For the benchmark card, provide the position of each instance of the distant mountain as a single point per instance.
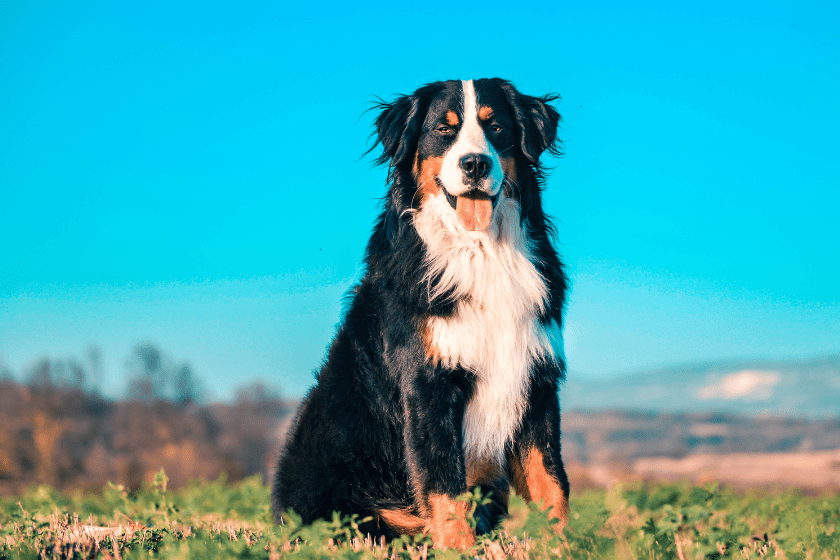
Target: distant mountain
(807, 388)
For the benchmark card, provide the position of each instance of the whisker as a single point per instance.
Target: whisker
(514, 184)
(414, 195)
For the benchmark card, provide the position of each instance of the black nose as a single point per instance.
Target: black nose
(475, 166)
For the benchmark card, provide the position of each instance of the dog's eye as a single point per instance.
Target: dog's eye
(495, 128)
(444, 129)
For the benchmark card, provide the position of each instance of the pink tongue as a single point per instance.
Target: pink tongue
(474, 211)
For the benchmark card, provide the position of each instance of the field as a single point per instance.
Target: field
(59, 446)
(220, 519)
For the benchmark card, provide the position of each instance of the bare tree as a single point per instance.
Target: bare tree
(97, 369)
(155, 376)
(63, 374)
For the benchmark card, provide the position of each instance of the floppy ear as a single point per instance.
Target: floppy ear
(397, 129)
(536, 121)
(399, 124)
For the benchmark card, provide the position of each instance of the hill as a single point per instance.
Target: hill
(804, 388)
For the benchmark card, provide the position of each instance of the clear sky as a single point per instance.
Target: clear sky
(190, 174)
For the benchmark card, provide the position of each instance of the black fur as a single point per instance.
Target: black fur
(382, 427)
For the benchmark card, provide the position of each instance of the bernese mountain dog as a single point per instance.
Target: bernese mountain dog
(444, 372)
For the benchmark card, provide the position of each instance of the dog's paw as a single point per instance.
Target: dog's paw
(448, 525)
(453, 534)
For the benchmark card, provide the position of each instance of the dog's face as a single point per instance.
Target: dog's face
(464, 151)
(465, 142)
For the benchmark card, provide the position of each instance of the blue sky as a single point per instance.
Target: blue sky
(190, 174)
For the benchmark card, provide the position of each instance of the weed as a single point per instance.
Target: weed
(218, 519)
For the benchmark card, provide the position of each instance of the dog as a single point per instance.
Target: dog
(445, 370)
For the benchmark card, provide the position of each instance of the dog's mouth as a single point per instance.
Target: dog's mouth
(474, 208)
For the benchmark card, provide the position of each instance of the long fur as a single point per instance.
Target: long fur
(494, 331)
(444, 373)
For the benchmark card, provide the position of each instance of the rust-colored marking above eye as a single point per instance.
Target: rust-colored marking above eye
(485, 113)
(451, 118)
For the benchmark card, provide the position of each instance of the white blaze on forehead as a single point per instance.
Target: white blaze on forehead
(472, 135)
(470, 140)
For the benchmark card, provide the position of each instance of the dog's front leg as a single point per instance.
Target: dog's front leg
(434, 400)
(535, 465)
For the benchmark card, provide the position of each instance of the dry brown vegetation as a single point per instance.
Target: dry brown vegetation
(67, 438)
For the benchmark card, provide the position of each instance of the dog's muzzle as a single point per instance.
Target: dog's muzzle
(474, 208)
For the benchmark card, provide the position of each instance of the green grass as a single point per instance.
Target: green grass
(232, 520)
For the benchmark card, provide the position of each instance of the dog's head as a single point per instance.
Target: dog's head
(470, 143)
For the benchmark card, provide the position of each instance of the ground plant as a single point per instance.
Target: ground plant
(219, 519)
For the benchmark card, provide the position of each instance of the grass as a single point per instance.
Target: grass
(223, 520)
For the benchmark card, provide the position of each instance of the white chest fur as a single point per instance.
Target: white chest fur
(494, 331)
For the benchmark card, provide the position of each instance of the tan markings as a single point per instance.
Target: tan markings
(509, 169)
(401, 521)
(517, 477)
(531, 481)
(484, 113)
(448, 525)
(432, 351)
(427, 185)
(451, 118)
(482, 472)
